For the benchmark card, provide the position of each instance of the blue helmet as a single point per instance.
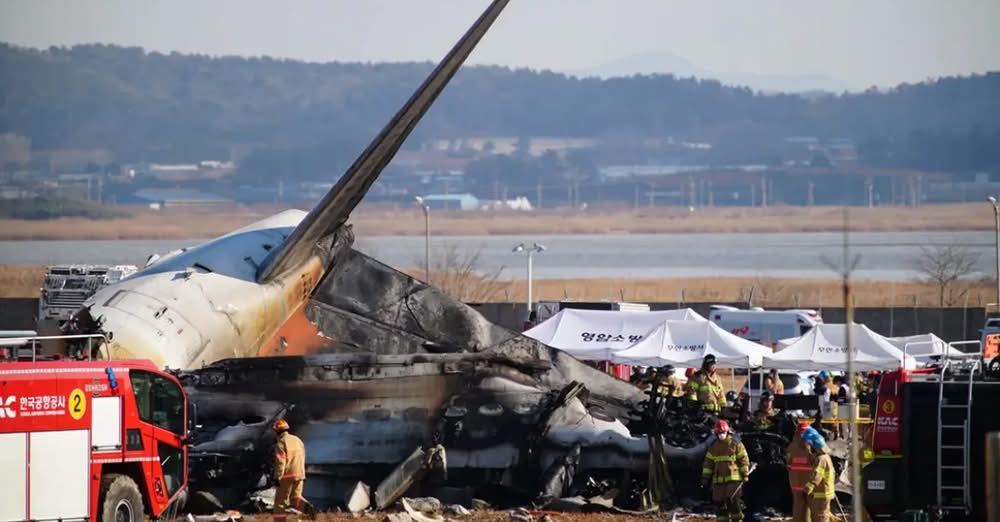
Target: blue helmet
(813, 438)
(824, 374)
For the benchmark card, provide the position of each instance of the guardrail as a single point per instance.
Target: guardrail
(33, 340)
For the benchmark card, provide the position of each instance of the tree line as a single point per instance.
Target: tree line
(307, 119)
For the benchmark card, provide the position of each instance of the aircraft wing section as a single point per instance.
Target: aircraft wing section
(336, 206)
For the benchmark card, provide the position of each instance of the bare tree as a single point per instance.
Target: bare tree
(945, 267)
(458, 274)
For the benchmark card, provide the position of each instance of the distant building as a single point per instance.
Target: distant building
(452, 201)
(157, 198)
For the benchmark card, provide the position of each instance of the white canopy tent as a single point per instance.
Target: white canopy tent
(824, 348)
(686, 343)
(593, 334)
(924, 347)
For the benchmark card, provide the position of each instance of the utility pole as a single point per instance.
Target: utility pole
(530, 252)
(996, 215)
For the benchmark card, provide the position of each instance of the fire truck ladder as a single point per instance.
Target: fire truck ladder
(954, 420)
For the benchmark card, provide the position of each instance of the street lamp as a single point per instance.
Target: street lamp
(531, 252)
(996, 214)
(427, 237)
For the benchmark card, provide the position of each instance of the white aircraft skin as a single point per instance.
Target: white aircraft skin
(229, 296)
(196, 306)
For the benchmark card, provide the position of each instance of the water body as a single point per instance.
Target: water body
(883, 255)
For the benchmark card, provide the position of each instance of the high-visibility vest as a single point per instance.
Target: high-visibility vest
(710, 394)
(726, 461)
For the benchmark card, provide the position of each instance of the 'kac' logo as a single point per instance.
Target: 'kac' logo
(7, 408)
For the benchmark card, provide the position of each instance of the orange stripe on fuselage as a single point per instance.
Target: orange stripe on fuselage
(301, 337)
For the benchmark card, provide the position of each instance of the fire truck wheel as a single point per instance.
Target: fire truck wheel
(121, 500)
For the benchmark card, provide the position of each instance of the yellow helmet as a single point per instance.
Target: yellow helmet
(280, 425)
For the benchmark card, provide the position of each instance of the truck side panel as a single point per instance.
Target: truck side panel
(14, 462)
(59, 478)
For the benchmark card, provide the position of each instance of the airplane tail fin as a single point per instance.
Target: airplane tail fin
(337, 205)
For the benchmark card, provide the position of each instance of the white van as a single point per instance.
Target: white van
(766, 327)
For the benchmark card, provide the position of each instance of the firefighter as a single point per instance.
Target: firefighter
(799, 469)
(670, 385)
(819, 486)
(436, 463)
(726, 468)
(773, 383)
(289, 472)
(710, 393)
(765, 411)
(691, 388)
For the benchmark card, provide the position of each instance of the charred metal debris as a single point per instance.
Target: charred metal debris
(458, 427)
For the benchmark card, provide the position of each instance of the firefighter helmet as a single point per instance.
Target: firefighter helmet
(803, 426)
(280, 425)
(721, 427)
(813, 438)
(767, 396)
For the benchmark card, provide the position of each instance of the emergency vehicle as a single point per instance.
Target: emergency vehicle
(929, 441)
(91, 440)
(765, 327)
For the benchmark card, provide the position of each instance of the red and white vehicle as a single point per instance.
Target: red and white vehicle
(90, 440)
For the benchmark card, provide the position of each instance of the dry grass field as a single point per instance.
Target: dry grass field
(24, 281)
(187, 223)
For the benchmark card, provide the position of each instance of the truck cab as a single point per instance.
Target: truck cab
(91, 440)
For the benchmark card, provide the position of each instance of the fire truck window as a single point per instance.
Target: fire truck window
(159, 401)
(172, 462)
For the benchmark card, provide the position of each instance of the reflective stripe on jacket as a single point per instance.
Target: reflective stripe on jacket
(289, 457)
(821, 480)
(710, 394)
(762, 418)
(726, 461)
(799, 467)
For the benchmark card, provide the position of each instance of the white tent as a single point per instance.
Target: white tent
(924, 347)
(686, 343)
(824, 348)
(591, 334)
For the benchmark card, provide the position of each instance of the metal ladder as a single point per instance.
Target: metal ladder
(960, 421)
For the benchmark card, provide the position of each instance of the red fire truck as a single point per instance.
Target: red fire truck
(90, 440)
(929, 441)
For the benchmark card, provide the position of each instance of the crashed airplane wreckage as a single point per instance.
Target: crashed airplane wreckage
(284, 318)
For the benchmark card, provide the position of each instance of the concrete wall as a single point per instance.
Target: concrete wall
(951, 324)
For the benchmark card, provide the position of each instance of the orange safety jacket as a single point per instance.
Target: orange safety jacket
(289, 457)
(799, 467)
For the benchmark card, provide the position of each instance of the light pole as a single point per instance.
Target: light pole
(531, 252)
(996, 214)
(427, 237)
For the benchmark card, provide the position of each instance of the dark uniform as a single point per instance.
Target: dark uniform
(726, 466)
(762, 417)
